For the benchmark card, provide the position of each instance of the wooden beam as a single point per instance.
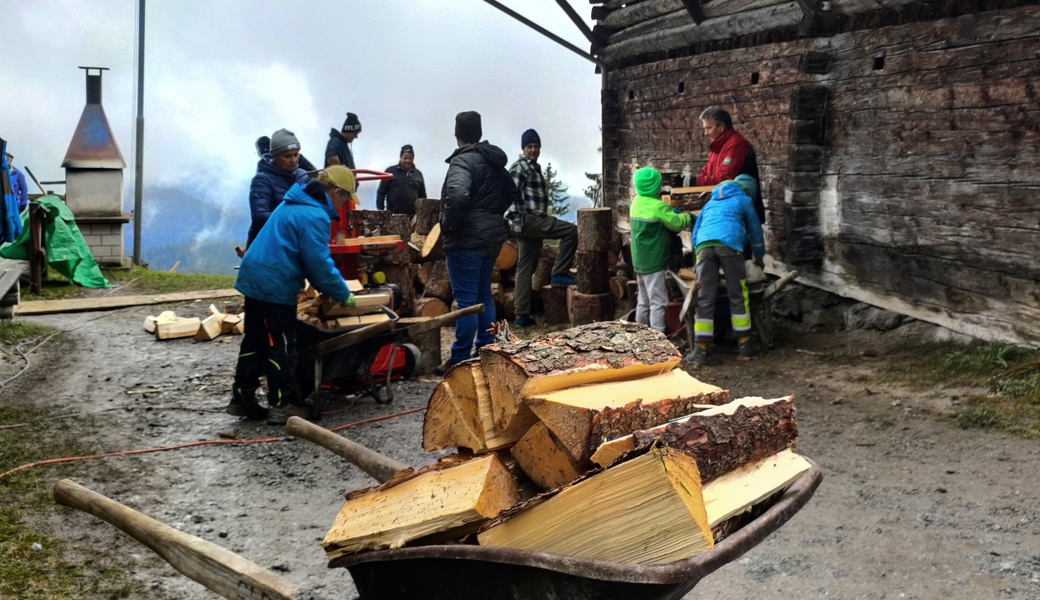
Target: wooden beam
(695, 10)
(49, 307)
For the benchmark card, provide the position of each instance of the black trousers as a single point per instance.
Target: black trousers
(268, 347)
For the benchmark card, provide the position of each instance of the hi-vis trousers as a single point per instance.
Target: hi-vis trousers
(268, 347)
(708, 261)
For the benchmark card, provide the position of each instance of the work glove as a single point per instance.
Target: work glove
(350, 302)
(760, 262)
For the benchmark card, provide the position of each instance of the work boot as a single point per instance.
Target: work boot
(245, 405)
(442, 368)
(278, 415)
(562, 280)
(698, 357)
(524, 321)
(749, 349)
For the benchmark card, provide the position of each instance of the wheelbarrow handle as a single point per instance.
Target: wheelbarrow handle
(780, 284)
(221, 571)
(380, 467)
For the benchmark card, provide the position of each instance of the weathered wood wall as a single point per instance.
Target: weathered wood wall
(917, 188)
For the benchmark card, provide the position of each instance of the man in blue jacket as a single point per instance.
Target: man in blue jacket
(21, 191)
(291, 247)
(277, 171)
(722, 230)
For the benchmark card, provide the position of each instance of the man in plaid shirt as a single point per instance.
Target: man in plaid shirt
(535, 225)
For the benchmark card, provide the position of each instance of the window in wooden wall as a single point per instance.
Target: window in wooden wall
(682, 87)
(754, 78)
(879, 63)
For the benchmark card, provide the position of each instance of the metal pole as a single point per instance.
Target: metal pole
(552, 36)
(139, 137)
(576, 18)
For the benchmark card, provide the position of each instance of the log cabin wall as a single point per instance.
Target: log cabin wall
(900, 164)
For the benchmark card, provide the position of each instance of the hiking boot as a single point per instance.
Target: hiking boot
(749, 349)
(562, 280)
(442, 368)
(524, 321)
(245, 407)
(698, 357)
(278, 415)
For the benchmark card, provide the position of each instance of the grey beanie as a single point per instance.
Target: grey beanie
(282, 141)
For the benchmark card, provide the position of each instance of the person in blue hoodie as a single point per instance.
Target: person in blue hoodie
(276, 172)
(722, 230)
(291, 247)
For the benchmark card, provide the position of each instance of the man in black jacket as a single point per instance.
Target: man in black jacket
(477, 192)
(337, 151)
(398, 195)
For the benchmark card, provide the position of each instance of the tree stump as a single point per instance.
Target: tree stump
(595, 229)
(427, 214)
(554, 302)
(592, 308)
(437, 284)
(593, 275)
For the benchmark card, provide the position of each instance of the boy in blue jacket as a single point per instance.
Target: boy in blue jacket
(719, 237)
(292, 245)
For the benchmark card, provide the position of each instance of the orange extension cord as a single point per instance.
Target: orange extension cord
(52, 461)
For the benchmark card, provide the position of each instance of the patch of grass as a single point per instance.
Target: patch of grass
(54, 571)
(54, 287)
(15, 332)
(147, 281)
(1010, 372)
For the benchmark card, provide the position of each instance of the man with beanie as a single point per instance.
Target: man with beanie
(337, 151)
(530, 216)
(398, 195)
(292, 246)
(21, 191)
(651, 221)
(477, 192)
(276, 172)
(719, 237)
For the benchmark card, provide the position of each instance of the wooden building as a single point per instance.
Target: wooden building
(898, 141)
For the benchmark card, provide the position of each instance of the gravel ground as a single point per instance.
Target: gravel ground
(910, 507)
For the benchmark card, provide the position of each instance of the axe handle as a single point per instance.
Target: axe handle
(380, 467)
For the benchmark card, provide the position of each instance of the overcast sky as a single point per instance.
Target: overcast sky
(220, 73)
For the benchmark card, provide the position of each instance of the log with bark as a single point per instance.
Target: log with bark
(582, 418)
(554, 305)
(433, 245)
(721, 439)
(542, 273)
(595, 229)
(618, 287)
(595, 353)
(430, 307)
(635, 503)
(436, 283)
(544, 460)
(450, 499)
(506, 256)
(592, 308)
(593, 275)
(427, 214)
(400, 225)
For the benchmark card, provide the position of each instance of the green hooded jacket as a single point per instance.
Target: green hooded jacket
(651, 221)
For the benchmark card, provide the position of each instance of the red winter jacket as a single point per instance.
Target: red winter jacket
(725, 158)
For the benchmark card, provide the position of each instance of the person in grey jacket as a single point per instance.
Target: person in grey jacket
(476, 194)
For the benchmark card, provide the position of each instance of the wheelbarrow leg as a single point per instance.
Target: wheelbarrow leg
(317, 383)
(389, 374)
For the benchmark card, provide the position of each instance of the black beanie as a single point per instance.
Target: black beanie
(407, 149)
(467, 126)
(530, 137)
(352, 123)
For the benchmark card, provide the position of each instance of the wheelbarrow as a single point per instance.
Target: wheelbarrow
(441, 572)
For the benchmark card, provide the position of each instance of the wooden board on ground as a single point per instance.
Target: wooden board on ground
(209, 329)
(721, 438)
(47, 307)
(544, 460)
(455, 499)
(649, 510)
(595, 353)
(176, 328)
(585, 417)
(739, 490)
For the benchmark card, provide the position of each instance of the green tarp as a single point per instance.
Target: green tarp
(67, 253)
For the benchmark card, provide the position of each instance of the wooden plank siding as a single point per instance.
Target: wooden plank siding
(927, 195)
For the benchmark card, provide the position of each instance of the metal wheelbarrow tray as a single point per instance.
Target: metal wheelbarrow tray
(468, 572)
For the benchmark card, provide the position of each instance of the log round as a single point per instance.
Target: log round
(401, 226)
(595, 229)
(618, 287)
(433, 247)
(592, 308)
(542, 273)
(427, 214)
(506, 256)
(554, 302)
(430, 307)
(593, 275)
(437, 284)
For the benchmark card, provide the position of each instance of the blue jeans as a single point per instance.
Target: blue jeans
(469, 270)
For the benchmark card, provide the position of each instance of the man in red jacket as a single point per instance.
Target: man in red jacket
(729, 155)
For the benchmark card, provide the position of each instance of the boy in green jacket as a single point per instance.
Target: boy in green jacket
(652, 221)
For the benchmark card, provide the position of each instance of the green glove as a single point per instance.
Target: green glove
(350, 302)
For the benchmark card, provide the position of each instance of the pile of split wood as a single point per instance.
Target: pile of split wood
(588, 443)
(325, 313)
(168, 326)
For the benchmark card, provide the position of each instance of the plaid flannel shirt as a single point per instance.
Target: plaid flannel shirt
(527, 175)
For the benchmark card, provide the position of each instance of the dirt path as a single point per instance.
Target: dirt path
(910, 507)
